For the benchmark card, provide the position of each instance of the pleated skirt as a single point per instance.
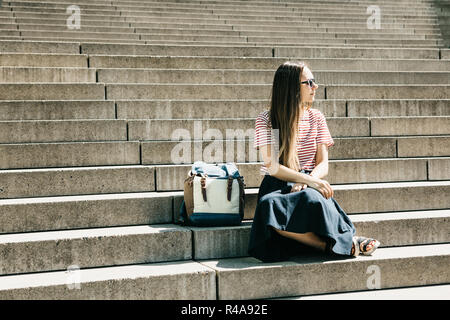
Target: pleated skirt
(300, 212)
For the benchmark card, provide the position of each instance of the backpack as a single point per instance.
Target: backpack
(213, 196)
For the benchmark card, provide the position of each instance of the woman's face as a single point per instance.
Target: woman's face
(307, 93)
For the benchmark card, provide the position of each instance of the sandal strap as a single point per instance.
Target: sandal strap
(365, 242)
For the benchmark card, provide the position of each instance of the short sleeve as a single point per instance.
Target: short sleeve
(262, 130)
(323, 134)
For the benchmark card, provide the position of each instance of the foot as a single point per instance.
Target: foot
(367, 245)
(355, 247)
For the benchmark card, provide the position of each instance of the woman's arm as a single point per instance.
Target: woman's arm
(321, 168)
(280, 171)
(286, 174)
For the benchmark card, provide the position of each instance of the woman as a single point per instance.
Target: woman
(296, 211)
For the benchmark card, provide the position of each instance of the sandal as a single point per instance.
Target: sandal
(355, 247)
(367, 245)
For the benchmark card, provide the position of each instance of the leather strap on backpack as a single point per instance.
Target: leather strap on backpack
(203, 184)
(229, 187)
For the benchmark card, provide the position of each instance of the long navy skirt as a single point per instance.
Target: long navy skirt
(300, 212)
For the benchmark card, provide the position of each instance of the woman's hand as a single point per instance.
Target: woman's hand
(322, 186)
(298, 187)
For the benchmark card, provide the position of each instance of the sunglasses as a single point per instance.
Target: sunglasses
(309, 82)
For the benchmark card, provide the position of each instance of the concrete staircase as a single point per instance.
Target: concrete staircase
(91, 166)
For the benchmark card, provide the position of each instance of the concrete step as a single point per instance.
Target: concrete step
(46, 74)
(87, 40)
(246, 76)
(439, 169)
(210, 39)
(366, 198)
(241, 150)
(196, 38)
(435, 292)
(189, 91)
(353, 198)
(76, 181)
(20, 183)
(62, 22)
(218, 33)
(211, 109)
(205, 109)
(62, 130)
(85, 211)
(314, 34)
(315, 43)
(52, 91)
(9, 33)
(56, 110)
(266, 51)
(431, 146)
(60, 4)
(62, 10)
(390, 92)
(391, 229)
(150, 129)
(311, 12)
(409, 126)
(269, 5)
(181, 280)
(123, 49)
(259, 10)
(106, 210)
(258, 91)
(292, 18)
(63, 27)
(218, 25)
(389, 35)
(10, 38)
(80, 35)
(361, 24)
(336, 39)
(363, 171)
(384, 53)
(237, 4)
(326, 64)
(445, 54)
(82, 247)
(335, 28)
(57, 250)
(190, 129)
(7, 20)
(43, 60)
(68, 154)
(217, 109)
(403, 107)
(255, 44)
(8, 26)
(237, 278)
(64, 15)
(39, 47)
(72, 154)
(382, 42)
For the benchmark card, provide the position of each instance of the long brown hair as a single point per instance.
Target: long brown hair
(285, 110)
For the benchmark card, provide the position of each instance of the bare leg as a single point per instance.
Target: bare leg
(308, 238)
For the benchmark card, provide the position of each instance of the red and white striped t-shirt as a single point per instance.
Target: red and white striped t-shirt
(313, 130)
